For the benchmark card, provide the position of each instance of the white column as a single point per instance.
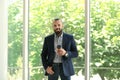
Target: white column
(87, 40)
(25, 40)
(3, 39)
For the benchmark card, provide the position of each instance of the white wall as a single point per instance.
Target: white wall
(3, 39)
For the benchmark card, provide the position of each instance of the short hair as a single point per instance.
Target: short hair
(56, 19)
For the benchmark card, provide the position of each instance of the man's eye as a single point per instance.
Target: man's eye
(54, 25)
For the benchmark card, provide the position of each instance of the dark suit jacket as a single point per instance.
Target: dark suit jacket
(48, 53)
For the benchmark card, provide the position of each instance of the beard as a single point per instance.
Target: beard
(58, 32)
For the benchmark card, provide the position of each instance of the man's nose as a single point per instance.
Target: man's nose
(57, 26)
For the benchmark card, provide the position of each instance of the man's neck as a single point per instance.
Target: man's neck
(58, 35)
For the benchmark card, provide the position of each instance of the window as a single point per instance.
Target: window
(104, 33)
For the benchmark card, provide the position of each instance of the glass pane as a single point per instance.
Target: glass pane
(42, 12)
(105, 33)
(15, 34)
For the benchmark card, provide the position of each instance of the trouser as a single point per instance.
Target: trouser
(58, 71)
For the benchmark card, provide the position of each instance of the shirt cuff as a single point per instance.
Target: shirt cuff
(66, 54)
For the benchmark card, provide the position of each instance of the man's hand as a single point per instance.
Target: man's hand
(49, 70)
(61, 52)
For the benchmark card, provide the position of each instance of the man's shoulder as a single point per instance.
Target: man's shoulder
(49, 36)
(68, 35)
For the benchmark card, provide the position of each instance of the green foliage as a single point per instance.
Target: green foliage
(105, 37)
(15, 25)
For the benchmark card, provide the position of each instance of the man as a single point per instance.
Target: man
(58, 50)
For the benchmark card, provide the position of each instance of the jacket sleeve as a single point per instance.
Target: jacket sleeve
(44, 54)
(72, 50)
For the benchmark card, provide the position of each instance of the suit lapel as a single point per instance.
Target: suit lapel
(63, 41)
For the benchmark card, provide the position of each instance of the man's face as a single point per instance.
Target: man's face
(57, 26)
